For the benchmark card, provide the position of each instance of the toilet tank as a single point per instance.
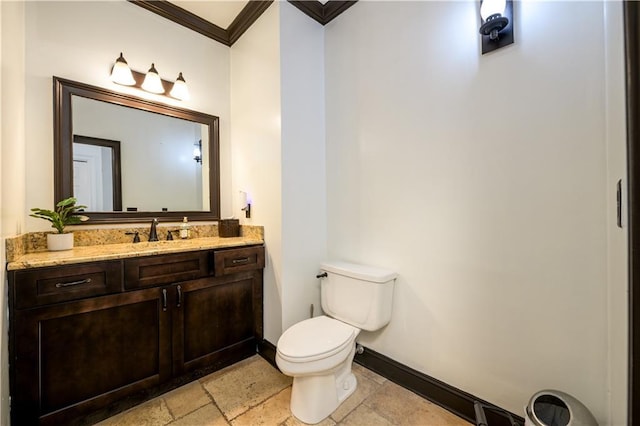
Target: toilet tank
(357, 294)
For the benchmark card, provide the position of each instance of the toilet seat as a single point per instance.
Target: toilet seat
(315, 338)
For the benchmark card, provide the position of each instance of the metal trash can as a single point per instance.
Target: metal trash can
(555, 408)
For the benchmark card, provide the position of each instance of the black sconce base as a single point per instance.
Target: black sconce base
(491, 42)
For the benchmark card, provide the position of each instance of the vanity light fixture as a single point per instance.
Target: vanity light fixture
(497, 24)
(197, 151)
(150, 82)
(121, 73)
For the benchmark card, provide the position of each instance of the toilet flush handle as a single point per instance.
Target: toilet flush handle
(322, 275)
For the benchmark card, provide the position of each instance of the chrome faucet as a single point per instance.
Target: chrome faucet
(153, 233)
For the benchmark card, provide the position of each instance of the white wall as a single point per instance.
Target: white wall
(12, 163)
(304, 214)
(277, 113)
(483, 181)
(256, 148)
(81, 40)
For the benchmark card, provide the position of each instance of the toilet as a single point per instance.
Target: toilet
(318, 352)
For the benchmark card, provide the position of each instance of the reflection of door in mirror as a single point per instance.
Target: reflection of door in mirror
(96, 173)
(158, 168)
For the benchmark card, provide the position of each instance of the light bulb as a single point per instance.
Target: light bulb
(492, 7)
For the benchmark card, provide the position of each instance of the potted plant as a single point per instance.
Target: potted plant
(65, 213)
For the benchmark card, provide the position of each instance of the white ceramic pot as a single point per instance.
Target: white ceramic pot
(57, 242)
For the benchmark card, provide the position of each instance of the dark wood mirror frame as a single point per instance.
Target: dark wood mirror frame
(63, 143)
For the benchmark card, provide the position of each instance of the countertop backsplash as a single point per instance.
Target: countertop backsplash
(34, 242)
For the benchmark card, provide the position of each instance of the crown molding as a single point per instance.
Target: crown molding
(247, 16)
(322, 13)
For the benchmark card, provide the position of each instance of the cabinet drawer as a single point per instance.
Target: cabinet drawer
(238, 260)
(63, 283)
(165, 269)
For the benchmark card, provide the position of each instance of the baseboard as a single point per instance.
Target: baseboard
(267, 350)
(455, 400)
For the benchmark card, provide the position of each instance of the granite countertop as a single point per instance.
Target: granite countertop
(93, 253)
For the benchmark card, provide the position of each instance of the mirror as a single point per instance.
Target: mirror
(130, 160)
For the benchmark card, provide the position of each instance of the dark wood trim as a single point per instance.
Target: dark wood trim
(184, 18)
(267, 350)
(63, 161)
(313, 9)
(322, 13)
(632, 46)
(116, 169)
(247, 16)
(455, 400)
(452, 399)
(332, 9)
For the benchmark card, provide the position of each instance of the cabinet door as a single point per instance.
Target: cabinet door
(75, 357)
(215, 324)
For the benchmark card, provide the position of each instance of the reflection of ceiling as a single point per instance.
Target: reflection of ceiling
(226, 20)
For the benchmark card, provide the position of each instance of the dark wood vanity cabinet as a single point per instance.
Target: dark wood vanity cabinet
(85, 337)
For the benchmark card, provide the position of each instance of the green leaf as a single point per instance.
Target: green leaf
(66, 213)
(66, 202)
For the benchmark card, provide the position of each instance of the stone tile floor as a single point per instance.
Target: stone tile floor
(252, 392)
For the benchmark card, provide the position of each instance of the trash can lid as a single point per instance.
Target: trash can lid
(549, 410)
(555, 408)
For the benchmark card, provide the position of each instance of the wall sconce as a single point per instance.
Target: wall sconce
(197, 151)
(497, 24)
(246, 204)
(150, 82)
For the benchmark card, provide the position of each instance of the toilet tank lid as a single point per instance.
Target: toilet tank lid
(359, 272)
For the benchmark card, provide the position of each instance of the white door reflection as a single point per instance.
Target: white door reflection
(96, 173)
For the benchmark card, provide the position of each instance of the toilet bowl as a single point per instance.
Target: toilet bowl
(318, 354)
